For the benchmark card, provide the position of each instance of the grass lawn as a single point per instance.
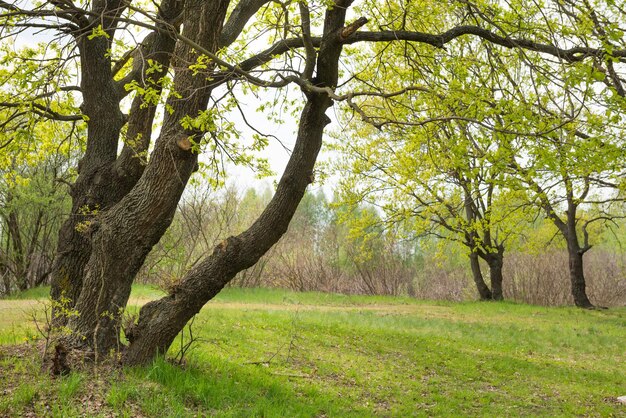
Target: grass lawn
(275, 353)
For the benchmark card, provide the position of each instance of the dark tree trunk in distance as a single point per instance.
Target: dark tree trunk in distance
(567, 226)
(495, 262)
(575, 254)
(577, 277)
(483, 290)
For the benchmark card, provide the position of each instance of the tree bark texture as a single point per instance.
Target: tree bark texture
(124, 235)
(161, 320)
(105, 178)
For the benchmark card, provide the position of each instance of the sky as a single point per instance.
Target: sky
(278, 150)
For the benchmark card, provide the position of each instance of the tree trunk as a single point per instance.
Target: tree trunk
(577, 278)
(105, 120)
(575, 254)
(495, 261)
(102, 182)
(19, 268)
(124, 235)
(6, 278)
(483, 290)
(161, 320)
(72, 253)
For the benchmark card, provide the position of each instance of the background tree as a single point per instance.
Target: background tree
(430, 157)
(36, 162)
(570, 164)
(511, 94)
(34, 204)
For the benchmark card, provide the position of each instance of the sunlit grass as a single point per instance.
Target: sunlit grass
(275, 353)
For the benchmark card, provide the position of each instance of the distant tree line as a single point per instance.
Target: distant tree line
(331, 246)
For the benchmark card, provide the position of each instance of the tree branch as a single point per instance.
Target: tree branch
(42, 110)
(574, 54)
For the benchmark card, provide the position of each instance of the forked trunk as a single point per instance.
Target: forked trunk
(103, 182)
(123, 236)
(104, 123)
(161, 320)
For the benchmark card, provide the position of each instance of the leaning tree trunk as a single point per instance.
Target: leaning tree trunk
(161, 320)
(483, 290)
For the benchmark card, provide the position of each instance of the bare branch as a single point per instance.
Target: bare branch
(311, 55)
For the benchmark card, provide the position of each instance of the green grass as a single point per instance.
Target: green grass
(43, 292)
(261, 295)
(274, 353)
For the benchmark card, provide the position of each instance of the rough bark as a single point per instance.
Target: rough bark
(105, 120)
(104, 178)
(238, 18)
(125, 234)
(483, 290)
(160, 321)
